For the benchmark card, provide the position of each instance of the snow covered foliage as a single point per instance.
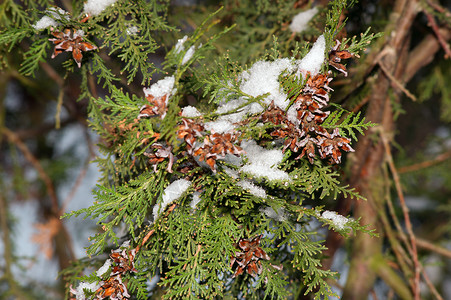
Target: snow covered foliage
(199, 195)
(96, 7)
(174, 191)
(263, 162)
(338, 221)
(161, 88)
(313, 61)
(301, 20)
(52, 20)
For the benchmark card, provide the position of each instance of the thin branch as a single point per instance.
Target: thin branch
(397, 82)
(12, 137)
(405, 211)
(430, 284)
(434, 248)
(436, 30)
(425, 164)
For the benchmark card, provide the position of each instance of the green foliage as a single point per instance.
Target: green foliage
(348, 124)
(185, 196)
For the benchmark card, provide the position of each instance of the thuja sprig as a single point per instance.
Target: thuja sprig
(214, 201)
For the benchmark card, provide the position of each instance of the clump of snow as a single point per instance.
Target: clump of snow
(188, 55)
(173, 191)
(95, 7)
(79, 33)
(338, 220)
(103, 269)
(133, 30)
(232, 173)
(263, 77)
(292, 115)
(47, 21)
(125, 244)
(196, 200)
(313, 61)
(162, 87)
(300, 21)
(263, 162)
(79, 292)
(271, 213)
(190, 112)
(219, 126)
(252, 188)
(179, 46)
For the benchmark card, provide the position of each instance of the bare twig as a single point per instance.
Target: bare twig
(396, 82)
(436, 30)
(434, 248)
(12, 137)
(425, 164)
(405, 210)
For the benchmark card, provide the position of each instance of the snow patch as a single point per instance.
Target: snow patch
(173, 191)
(162, 87)
(196, 200)
(219, 126)
(252, 188)
(179, 46)
(300, 21)
(103, 269)
(47, 21)
(79, 292)
(190, 112)
(263, 77)
(133, 30)
(271, 213)
(95, 7)
(263, 162)
(313, 61)
(338, 220)
(188, 55)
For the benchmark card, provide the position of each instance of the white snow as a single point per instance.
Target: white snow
(125, 244)
(292, 115)
(103, 269)
(219, 126)
(252, 188)
(179, 46)
(263, 162)
(80, 294)
(196, 200)
(300, 21)
(188, 55)
(263, 77)
(338, 220)
(271, 213)
(162, 87)
(232, 173)
(79, 32)
(190, 112)
(313, 61)
(173, 191)
(95, 7)
(47, 21)
(133, 30)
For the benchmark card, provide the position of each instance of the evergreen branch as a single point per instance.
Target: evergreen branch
(349, 124)
(32, 58)
(13, 36)
(320, 178)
